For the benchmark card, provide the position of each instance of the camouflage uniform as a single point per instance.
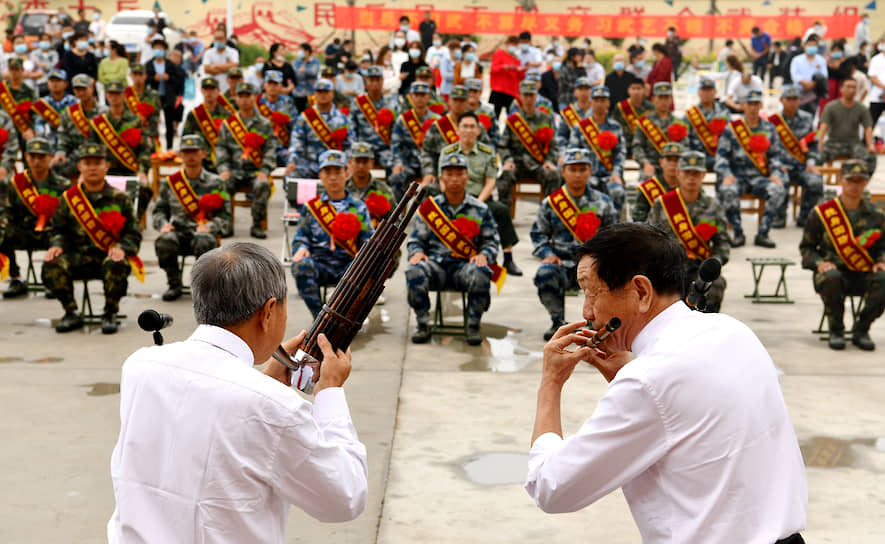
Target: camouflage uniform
(693, 141)
(645, 151)
(540, 102)
(142, 152)
(512, 150)
(834, 285)
(285, 105)
(550, 236)
(324, 266)
(24, 92)
(802, 124)
(152, 123)
(564, 131)
(641, 207)
(493, 133)
(374, 185)
(42, 128)
(192, 126)
(11, 148)
(82, 259)
(442, 270)
(70, 139)
(406, 153)
(628, 131)
(305, 147)
(364, 132)
(600, 178)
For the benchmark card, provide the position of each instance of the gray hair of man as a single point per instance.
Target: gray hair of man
(230, 283)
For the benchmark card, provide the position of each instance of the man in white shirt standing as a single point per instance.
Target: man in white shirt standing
(219, 58)
(211, 450)
(810, 71)
(693, 425)
(529, 56)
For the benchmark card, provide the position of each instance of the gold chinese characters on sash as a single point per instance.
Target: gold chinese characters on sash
(680, 221)
(838, 228)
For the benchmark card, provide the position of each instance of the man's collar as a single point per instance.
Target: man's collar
(225, 340)
(653, 328)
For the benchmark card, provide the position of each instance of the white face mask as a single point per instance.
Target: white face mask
(437, 43)
(399, 42)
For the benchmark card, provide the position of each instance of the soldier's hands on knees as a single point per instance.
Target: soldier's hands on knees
(428, 179)
(879, 267)
(289, 169)
(336, 366)
(729, 180)
(813, 169)
(261, 176)
(417, 258)
(204, 228)
(553, 259)
(168, 227)
(825, 266)
(509, 166)
(480, 260)
(300, 254)
(52, 254)
(116, 254)
(776, 180)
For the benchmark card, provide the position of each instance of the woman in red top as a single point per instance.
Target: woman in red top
(663, 66)
(504, 76)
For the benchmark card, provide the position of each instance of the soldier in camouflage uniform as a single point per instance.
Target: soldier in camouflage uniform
(238, 172)
(21, 92)
(437, 105)
(555, 244)
(434, 141)
(362, 129)
(806, 174)
(59, 99)
(518, 162)
(316, 260)
(670, 180)
(641, 105)
(180, 233)
(432, 265)
(234, 77)
(72, 254)
(701, 209)
(305, 146)
(644, 151)
(610, 182)
(542, 103)
(210, 92)
(833, 279)
(17, 222)
(10, 149)
(406, 152)
(581, 106)
(70, 139)
(361, 182)
(710, 109)
(146, 94)
(279, 103)
(485, 112)
(739, 175)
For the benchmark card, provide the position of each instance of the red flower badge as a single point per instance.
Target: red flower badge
(45, 205)
(588, 224)
(131, 137)
(677, 132)
(279, 118)
(113, 221)
(759, 143)
(385, 117)
(209, 203)
(544, 134)
(467, 226)
(437, 108)
(145, 110)
(4, 136)
(253, 142)
(544, 109)
(23, 108)
(706, 230)
(218, 122)
(345, 110)
(346, 226)
(427, 124)
(606, 140)
(717, 126)
(339, 135)
(485, 120)
(868, 237)
(378, 204)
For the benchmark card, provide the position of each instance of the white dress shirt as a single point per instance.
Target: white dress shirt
(225, 56)
(877, 70)
(695, 431)
(802, 69)
(211, 450)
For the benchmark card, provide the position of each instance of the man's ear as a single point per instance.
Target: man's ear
(267, 313)
(644, 292)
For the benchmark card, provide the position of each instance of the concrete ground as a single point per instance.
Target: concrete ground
(446, 425)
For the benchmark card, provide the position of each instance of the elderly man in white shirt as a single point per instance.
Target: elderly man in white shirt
(804, 69)
(693, 425)
(211, 450)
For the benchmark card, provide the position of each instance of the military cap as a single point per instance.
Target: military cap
(473, 84)
(236, 71)
(82, 80)
(137, 68)
(273, 76)
(38, 145)
(362, 150)
(15, 62)
(527, 86)
(854, 168)
(58, 73)
(333, 157)
(533, 76)
(791, 91)
(324, 85)
(692, 160)
(576, 155)
(459, 91)
(419, 87)
(583, 82)
(209, 82)
(244, 87)
(423, 71)
(600, 91)
(192, 141)
(115, 86)
(672, 149)
(753, 96)
(374, 71)
(327, 71)
(92, 149)
(453, 160)
(662, 88)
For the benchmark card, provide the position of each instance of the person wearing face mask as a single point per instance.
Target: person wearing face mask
(64, 43)
(255, 74)
(467, 67)
(408, 34)
(529, 56)
(505, 74)
(220, 58)
(410, 66)
(350, 83)
(168, 80)
(447, 68)
(98, 26)
(862, 32)
(277, 63)
(78, 59)
(145, 52)
(549, 88)
(820, 30)
(114, 67)
(638, 66)
(618, 80)
(810, 71)
(556, 48)
(436, 52)
(306, 69)
(32, 73)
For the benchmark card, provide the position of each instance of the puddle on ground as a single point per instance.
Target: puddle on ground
(101, 389)
(503, 354)
(829, 452)
(41, 360)
(495, 468)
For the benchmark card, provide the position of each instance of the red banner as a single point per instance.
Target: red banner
(788, 23)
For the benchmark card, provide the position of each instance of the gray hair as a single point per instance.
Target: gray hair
(229, 284)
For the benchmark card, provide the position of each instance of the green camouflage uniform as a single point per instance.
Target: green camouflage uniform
(511, 149)
(82, 259)
(834, 285)
(142, 152)
(375, 184)
(192, 126)
(11, 149)
(642, 149)
(639, 213)
(616, 116)
(152, 126)
(25, 92)
(70, 139)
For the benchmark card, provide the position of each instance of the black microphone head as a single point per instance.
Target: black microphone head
(709, 269)
(150, 320)
(613, 324)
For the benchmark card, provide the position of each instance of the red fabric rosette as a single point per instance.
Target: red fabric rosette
(339, 135)
(759, 143)
(385, 117)
(345, 110)
(113, 221)
(44, 205)
(145, 110)
(705, 230)
(346, 226)
(378, 204)
(253, 141)
(218, 122)
(466, 226)
(866, 240)
(131, 137)
(485, 121)
(4, 137)
(279, 118)
(677, 132)
(208, 203)
(544, 109)
(588, 223)
(606, 140)
(427, 124)
(437, 108)
(544, 135)
(717, 126)
(23, 108)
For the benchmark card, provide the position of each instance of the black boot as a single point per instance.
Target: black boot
(510, 265)
(861, 338)
(473, 337)
(109, 323)
(16, 288)
(256, 232)
(762, 240)
(737, 240)
(780, 221)
(836, 340)
(70, 322)
(422, 334)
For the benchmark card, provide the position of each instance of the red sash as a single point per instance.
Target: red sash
(742, 134)
(320, 128)
(225, 103)
(132, 101)
(652, 189)
(238, 131)
(653, 132)
(9, 104)
(280, 131)
(112, 140)
(680, 221)
(838, 228)
(566, 210)
(185, 193)
(460, 246)
(85, 214)
(629, 113)
(78, 117)
(4, 267)
(591, 132)
(788, 138)
(26, 190)
(447, 129)
(325, 213)
(414, 127)
(207, 125)
(47, 112)
(696, 117)
(523, 131)
(364, 103)
(570, 114)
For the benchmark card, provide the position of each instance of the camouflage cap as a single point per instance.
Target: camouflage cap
(58, 73)
(419, 87)
(752, 96)
(473, 84)
(374, 71)
(327, 71)
(672, 149)
(453, 160)
(533, 76)
(324, 85)
(82, 80)
(362, 150)
(459, 92)
(707, 83)
(791, 91)
(527, 86)
(209, 83)
(662, 88)
(244, 87)
(15, 63)
(576, 155)
(39, 145)
(333, 157)
(693, 160)
(191, 142)
(854, 168)
(236, 71)
(583, 82)
(137, 68)
(115, 87)
(600, 91)
(92, 149)
(423, 71)
(273, 76)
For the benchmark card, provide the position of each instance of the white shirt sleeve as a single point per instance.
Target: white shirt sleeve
(621, 440)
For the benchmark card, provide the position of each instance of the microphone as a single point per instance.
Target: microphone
(152, 320)
(707, 273)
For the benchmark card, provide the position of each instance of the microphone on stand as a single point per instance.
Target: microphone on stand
(154, 321)
(707, 274)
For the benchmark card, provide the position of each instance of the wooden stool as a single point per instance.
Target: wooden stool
(774, 298)
(440, 326)
(855, 302)
(757, 206)
(244, 203)
(517, 191)
(797, 193)
(89, 316)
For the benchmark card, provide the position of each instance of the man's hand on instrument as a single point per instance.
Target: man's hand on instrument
(224, 175)
(825, 266)
(28, 135)
(648, 169)
(168, 227)
(52, 253)
(417, 258)
(559, 363)
(552, 259)
(729, 180)
(204, 228)
(301, 254)
(509, 166)
(336, 366)
(116, 254)
(480, 260)
(608, 364)
(278, 370)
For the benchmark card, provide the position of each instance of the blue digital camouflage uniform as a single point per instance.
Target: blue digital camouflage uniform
(406, 154)
(550, 236)
(362, 131)
(511, 149)
(324, 266)
(641, 207)
(600, 178)
(42, 127)
(493, 132)
(541, 103)
(617, 117)
(693, 141)
(285, 105)
(802, 124)
(732, 160)
(442, 270)
(564, 130)
(305, 147)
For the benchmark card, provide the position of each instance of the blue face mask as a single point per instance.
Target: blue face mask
(404, 27)
(470, 57)
(158, 53)
(91, 41)
(44, 45)
(618, 66)
(259, 66)
(67, 46)
(457, 54)
(556, 66)
(20, 49)
(82, 45)
(66, 35)
(220, 45)
(811, 49)
(837, 54)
